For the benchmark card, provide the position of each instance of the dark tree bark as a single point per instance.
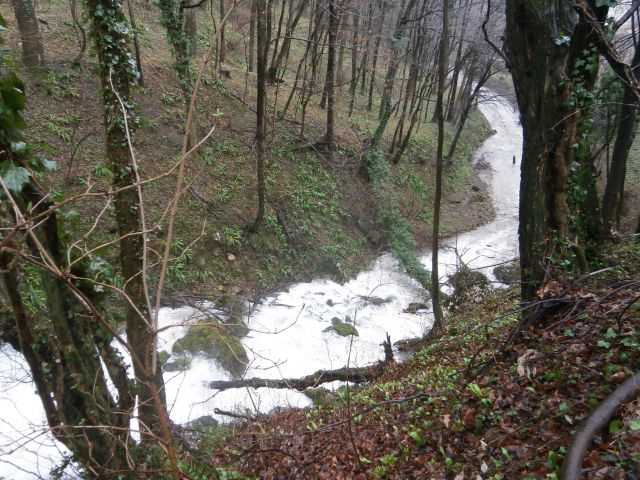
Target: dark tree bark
(612, 197)
(540, 64)
(283, 54)
(354, 61)
(376, 53)
(252, 35)
(138, 322)
(457, 65)
(191, 30)
(32, 48)
(261, 104)
(329, 137)
(484, 76)
(276, 45)
(136, 43)
(394, 62)
(354, 375)
(443, 69)
(222, 54)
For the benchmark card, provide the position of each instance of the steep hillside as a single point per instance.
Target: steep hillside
(321, 218)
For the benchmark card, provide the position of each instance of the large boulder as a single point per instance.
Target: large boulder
(509, 274)
(212, 340)
(469, 286)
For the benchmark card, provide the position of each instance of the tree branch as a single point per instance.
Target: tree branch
(354, 375)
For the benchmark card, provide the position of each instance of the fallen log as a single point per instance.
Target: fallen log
(353, 375)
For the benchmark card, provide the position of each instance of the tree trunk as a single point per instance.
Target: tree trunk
(138, 322)
(457, 64)
(252, 35)
(191, 30)
(271, 73)
(222, 55)
(292, 23)
(136, 43)
(624, 139)
(376, 52)
(32, 48)
(329, 138)
(387, 94)
(261, 105)
(540, 65)
(443, 67)
(354, 61)
(82, 36)
(367, 48)
(173, 20)
(465, 112)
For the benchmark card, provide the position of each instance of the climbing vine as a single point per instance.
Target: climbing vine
(173, 20)
(582, 177)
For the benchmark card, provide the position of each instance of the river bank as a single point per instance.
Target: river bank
(289, 333)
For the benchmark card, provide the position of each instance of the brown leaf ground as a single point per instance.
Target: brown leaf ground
(469, 405)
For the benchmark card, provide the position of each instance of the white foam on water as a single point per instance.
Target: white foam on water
(287, 337)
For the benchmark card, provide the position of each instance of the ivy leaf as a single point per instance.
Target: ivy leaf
(42, 164)
(14, 176)
(634, 425)
(13, 92)
(614, 427)
(19, 148)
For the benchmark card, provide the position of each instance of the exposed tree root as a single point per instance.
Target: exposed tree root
(572, 466)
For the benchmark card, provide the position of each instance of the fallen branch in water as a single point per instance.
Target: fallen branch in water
(353, 375)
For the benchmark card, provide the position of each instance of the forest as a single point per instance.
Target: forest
(347, 239)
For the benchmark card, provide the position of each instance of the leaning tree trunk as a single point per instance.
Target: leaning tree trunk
(32, 49)
(387, 94)
(540, 66)
(292, 23)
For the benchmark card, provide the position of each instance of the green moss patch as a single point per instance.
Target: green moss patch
(343, 329)
(210, 339)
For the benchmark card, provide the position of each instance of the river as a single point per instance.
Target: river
(287, 337)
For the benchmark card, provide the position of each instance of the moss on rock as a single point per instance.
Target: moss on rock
(210, 339)
(508, 274)
(342, 329)
(178, 365)
(163, 357)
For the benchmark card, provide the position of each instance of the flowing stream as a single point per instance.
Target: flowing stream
(287, 337)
